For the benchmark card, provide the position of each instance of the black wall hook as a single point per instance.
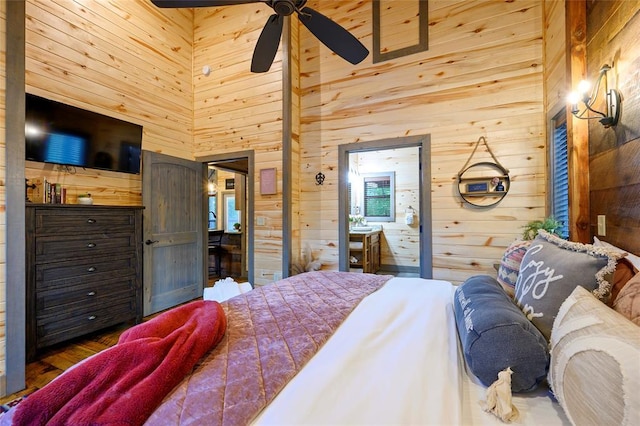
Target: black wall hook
(320, 178)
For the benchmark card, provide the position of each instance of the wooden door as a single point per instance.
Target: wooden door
(173, 191)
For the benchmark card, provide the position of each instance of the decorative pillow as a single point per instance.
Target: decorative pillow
(495, 335)
(510, 265)
(550, 270)
(621, 276)
(594, 369)
(627, 302)
(635, 260)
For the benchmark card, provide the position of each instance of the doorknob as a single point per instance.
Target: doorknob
(149, 242)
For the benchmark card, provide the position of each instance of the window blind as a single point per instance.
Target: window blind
(560, 177)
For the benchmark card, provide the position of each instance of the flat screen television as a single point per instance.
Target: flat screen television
(63, 134)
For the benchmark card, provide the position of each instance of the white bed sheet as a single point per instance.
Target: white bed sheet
(396, 360)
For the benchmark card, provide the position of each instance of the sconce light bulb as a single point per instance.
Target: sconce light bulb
(573, 98)
(583, 87)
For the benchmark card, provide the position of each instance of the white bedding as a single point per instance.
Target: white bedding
(396, 360)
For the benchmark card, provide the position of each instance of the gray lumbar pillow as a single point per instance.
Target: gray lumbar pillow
(495, 335)
(552, 268)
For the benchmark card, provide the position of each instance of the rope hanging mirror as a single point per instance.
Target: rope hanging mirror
(483, 184)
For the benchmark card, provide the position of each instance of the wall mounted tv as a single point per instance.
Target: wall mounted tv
(62, 134)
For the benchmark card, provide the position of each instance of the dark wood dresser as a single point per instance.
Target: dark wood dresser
(84, 270)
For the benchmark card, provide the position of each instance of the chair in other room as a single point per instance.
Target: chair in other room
(217, 250)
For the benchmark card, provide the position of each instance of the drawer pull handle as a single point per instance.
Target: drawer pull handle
(91, 245)
(91, 220)
(91, 269)
(91, 293)
(91, 317)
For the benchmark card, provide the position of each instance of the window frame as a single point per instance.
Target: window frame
(231, 215)
(391, 177)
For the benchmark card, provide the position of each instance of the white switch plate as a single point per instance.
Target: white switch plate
(261, 220)
(602, 225)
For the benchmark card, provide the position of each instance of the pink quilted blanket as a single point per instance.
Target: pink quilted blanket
(272, 332)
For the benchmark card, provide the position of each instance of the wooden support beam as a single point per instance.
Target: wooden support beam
(577, 130)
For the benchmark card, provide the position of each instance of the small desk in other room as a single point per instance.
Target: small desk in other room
(364, 250)
(225, 254)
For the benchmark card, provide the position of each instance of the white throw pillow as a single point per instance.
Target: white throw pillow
(595, 362)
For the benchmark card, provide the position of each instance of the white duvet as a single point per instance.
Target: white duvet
(395, 361)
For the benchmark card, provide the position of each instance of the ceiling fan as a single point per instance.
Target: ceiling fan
(332, 35)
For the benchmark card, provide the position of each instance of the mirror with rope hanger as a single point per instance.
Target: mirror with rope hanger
(331, 34)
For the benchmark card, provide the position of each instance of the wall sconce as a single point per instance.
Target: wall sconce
(320, 178)
(612, 98)
(212, 188)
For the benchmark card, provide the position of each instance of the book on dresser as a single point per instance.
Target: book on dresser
(84, 270)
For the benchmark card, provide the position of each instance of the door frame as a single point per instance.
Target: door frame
(15, 263)
(248, 227)
(423, 142)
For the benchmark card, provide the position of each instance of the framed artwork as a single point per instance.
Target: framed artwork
(229, 184)
(268, 181)
(478, 187)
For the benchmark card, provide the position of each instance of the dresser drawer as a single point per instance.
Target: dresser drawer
(57, 275)
(60, 299)
(82, 245)
(86, 220)
(55, 329)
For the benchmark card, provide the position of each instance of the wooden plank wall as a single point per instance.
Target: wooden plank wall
(236, 110)
(3, 217)
(482, 76)
(613, 30)
(125, 59)
(555, 57)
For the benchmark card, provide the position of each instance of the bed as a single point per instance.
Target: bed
(372, 350)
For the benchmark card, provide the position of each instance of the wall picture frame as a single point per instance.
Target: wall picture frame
(229, 184)
(478, 187)
(268, 181)
(386, 15)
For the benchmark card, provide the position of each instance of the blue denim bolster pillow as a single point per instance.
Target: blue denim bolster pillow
(495, 334)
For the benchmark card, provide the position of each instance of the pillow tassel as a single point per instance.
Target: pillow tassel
(499, 398)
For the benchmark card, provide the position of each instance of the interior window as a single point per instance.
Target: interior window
(559, 173)
(232, 219)
(379, 196)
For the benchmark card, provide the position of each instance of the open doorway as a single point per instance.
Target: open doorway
(228, 217)
(385, 211)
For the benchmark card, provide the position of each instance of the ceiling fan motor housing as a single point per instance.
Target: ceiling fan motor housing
(284, 7)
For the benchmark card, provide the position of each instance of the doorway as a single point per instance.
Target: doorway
(228, 216)
(371, 198)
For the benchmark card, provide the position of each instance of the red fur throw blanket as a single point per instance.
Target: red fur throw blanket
(125, 383)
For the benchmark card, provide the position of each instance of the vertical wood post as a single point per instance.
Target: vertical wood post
(577, 130)
(15, 198)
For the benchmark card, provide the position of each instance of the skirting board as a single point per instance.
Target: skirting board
(399, 269)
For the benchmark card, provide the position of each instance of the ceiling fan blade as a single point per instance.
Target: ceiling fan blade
(199, 3)
(267, 45)
(332, 35)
